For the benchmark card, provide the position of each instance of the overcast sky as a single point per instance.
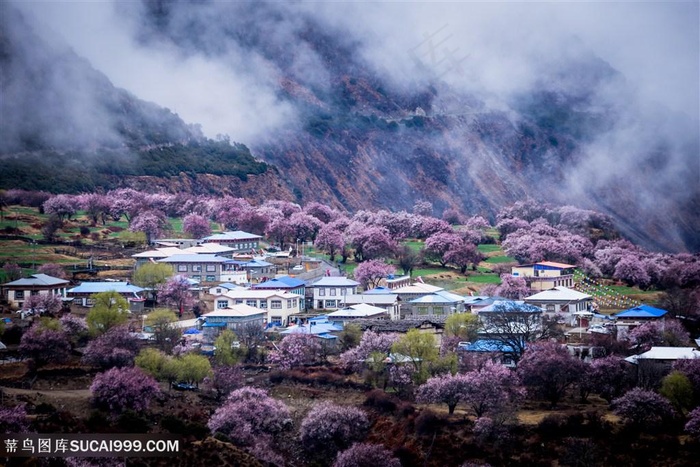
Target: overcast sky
(655, 45)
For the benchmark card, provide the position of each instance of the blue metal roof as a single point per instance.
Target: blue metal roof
(284, 282)
(327, 336)
(486, 345)
(379, 291)
(642, 311)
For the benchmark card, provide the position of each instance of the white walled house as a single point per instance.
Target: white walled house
(84, 292)
(238, 240)
(545, 274)
(231, 318)
(276, 304)
(16, 292)
(388, 301)
(561, 299)
(355, 312)
(200, 267)
(329, 291)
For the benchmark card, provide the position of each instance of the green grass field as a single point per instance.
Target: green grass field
(415, 245)
(484, 279)
(489, 248)
(624, 290)
(429, 271)
(500, 259)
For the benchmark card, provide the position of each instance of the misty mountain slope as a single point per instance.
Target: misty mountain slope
(357, 132)
(54, 98)
(575, 135)
(66, 128)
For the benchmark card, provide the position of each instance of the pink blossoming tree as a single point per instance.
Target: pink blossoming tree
(329, 427)
(371, 273)
(296, 350)
(120, 389)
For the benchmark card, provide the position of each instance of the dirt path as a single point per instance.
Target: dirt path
(58, 393)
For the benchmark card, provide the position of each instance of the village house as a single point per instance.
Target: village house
(285, 284)
(210, 249)
(440, 303)
(574, 304)
(276, 304)
(16, 292)
(416, 290)
(512, 322)
(629, 319)
(654, 364)
(238, 240)
(357, 312)
(83, 293)
(233, 318)
(258, 270)
(151, 256)
(203, 268)
(164, 252)
(380, 297)
(329, 291)
(494, 350)
(545, 275)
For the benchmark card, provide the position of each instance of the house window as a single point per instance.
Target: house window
(34, 292)
(221, 304)
(330, 303)
(197, 277)
(239, 301)
(19, 294)
(332, 292)
(276, 319)
(196, 268)
(181, 268)
(289, 303)
(422, 310)
(211, 267)
(550, 308)
(263, 304)
(211, 278)
(218, 291)
(321, 292)
(343, 291)
(251, 302)
(276, 304)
